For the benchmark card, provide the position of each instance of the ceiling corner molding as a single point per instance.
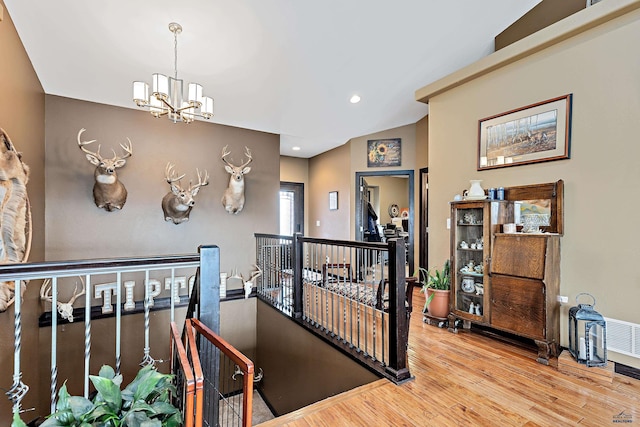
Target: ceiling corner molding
(564, 29)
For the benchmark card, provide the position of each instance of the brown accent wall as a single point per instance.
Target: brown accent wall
(300, 368)
(545, 13)
(139, 228)
(22, 117)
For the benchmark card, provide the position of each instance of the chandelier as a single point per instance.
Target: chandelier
(167, 96)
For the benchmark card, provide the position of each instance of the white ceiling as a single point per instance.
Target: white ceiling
(283, 66)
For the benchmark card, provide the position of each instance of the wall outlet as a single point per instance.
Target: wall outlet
(563, 299)
(317, 223)
(448, 223)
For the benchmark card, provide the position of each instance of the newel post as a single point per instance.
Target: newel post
(398, 321)
(297, 256)
(209, 307)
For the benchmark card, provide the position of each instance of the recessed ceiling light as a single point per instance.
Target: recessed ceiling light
(295, 148)
(355, 99)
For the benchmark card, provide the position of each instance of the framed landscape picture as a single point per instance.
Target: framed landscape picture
(536, 133)
(384, 152)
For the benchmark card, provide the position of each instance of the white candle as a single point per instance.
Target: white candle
(583, 349)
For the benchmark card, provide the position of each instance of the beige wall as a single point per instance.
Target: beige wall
(295, 169)
(600, 245)
(22, 118)
(409, 162)
(330, 172)
(391, 190)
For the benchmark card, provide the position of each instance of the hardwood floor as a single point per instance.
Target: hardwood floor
(468, 379)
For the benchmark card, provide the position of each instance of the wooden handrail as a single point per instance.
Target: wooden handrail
(176, 346)
(197, 371)
(245, 364)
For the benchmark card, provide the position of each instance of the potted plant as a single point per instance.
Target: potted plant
(436, 285)
(144, 402)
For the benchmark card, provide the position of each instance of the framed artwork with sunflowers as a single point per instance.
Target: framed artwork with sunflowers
(384, 152)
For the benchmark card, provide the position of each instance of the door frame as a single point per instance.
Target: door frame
(298, 189)
(359, 212)
(423, 250)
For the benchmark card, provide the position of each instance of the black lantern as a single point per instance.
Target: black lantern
(587, 334)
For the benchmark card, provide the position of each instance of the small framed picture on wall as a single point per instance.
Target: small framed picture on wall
(333, 200)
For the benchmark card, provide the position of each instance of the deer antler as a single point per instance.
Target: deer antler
(203, 179)
(81, 144)
(255, 274)
(247, 153)
(45, 291)
(225, 153)
(170, 174)
(128, 150)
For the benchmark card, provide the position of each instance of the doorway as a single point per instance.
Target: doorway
(291, 208)
(372, 188)
(424, 218)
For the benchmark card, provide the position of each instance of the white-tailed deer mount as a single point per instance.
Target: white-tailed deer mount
(15, 216)
(233, 197)
(178, 202)
(64, 308)
(108, 192)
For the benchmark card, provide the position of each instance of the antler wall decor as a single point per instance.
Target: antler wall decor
(233, 197)
(65, 309)
(178, 202)
(108, 192)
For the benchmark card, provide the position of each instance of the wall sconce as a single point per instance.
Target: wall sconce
(587, 334)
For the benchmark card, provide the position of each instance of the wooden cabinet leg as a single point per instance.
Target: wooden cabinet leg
(546, 350)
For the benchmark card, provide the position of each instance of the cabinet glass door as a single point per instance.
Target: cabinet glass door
(469, 266)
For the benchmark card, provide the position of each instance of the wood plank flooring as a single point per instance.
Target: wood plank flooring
(468, 379)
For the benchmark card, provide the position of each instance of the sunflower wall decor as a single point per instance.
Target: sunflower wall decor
(383, 152)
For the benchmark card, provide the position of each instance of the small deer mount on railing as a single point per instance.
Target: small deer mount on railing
(238, 371)
(65, 309)
(108, 192)
(233, 197)
(178, 202)
(247, 284)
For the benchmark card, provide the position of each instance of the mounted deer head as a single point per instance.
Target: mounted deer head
(233, 197)
(108, 192)
(177, 203)
(64, 308)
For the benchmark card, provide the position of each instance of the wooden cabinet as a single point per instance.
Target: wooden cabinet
(525, 282)
(508, 282)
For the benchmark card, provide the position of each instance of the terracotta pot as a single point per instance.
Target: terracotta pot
(439, 305)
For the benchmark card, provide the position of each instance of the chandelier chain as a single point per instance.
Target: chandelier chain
(175, 55)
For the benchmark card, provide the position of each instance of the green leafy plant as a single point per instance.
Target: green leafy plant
(434, 279)
(144, 402)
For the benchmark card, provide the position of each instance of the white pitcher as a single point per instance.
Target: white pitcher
(475, 191)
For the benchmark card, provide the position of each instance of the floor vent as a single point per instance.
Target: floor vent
(623, 337)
